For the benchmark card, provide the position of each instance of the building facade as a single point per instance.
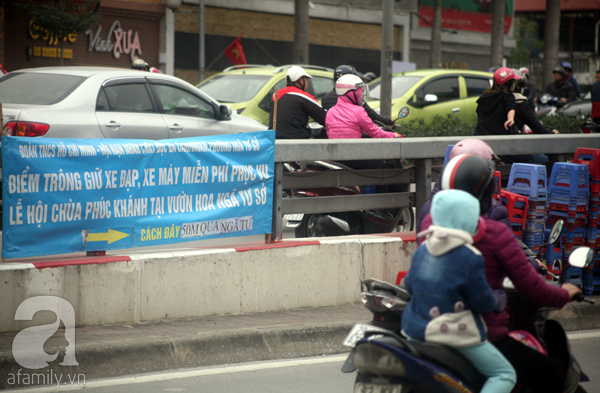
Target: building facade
(127, 30)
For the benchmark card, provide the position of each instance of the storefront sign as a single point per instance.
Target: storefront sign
(44, 51)
(125, 42)
(38, 33)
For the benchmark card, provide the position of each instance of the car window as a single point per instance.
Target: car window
(37, 88)
(446, 89)
(176, 101)
(266, 101)
(400, 85)
(234, 88)
(321, 86)
(476, 86)
(129, 97)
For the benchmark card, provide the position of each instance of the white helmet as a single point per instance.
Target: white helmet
(348, 83)
(296, 72)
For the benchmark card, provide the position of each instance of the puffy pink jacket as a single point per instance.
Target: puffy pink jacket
(346, 120)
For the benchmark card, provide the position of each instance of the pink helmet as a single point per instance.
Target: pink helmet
(474, 147)
(503, 75)
(524, 70)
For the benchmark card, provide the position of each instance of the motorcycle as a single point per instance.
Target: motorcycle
(590, 127)
(389, 363)
(399, 219)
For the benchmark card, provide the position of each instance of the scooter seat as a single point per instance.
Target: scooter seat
(451, 360)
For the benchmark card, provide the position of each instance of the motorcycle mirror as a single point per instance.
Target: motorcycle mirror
(545, 98)
(581, 257)
(403, 112)
(556, 231)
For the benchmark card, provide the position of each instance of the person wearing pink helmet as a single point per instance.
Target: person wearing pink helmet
(503, 257)
(475, 147)
(496, 106)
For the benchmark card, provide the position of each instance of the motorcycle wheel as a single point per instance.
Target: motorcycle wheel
(407, 220)
(308, 226)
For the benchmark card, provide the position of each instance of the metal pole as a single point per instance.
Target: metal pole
(201, 51)
(387, 53)
(276, 234)
(422, 182)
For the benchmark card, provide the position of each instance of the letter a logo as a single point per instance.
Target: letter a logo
(28, 345)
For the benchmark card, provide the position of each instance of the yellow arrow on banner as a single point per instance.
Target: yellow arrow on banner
(111, 236)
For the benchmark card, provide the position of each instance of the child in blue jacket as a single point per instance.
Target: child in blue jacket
(449, 290)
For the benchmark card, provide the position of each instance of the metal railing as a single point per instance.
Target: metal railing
(420, 151)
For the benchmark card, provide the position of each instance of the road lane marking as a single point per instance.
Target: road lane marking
(581, 336)
(192, 373)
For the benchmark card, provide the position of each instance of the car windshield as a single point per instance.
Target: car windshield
(37, 88)
(234, 88)
(400, 85)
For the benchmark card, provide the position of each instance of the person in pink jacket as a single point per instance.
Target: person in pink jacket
(348, 119)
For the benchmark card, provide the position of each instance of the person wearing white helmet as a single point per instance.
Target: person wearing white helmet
(348, 118)
(139, 64)
(529, 91)
(295, 106)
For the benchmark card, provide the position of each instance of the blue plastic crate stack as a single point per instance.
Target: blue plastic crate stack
(530, 181)
(568, 196)
(591, 158)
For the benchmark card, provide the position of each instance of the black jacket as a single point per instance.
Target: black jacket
(492, 111)
(530, 92)
(524, 115)
(330, 99)
(566, 90)
(294, 107)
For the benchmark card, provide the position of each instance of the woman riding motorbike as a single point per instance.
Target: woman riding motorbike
(475, 147)
(503, 257)
(348, 120)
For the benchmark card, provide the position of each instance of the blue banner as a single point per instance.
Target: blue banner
(69, 195)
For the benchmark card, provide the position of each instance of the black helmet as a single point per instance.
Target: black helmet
(559, 70)
(369, 76)
(469, 173)
(343, 70)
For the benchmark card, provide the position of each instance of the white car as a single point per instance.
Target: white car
(99, 102)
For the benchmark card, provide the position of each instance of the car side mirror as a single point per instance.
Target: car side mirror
(225, 112)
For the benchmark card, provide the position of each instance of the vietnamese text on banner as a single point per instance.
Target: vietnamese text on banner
(69, 195)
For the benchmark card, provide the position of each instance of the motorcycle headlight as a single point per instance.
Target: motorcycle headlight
(374, 359)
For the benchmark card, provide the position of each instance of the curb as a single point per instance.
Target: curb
(247, 345)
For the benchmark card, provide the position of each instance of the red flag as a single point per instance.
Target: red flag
(235, 53)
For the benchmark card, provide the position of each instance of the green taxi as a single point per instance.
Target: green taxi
(247, 89)
(435, 92)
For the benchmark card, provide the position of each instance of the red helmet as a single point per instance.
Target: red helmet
(475, 147)
(504, 74)
(468, 173)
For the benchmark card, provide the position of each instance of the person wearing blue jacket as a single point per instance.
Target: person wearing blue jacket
(449, 290)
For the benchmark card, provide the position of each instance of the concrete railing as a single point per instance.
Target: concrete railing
(419, 150)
